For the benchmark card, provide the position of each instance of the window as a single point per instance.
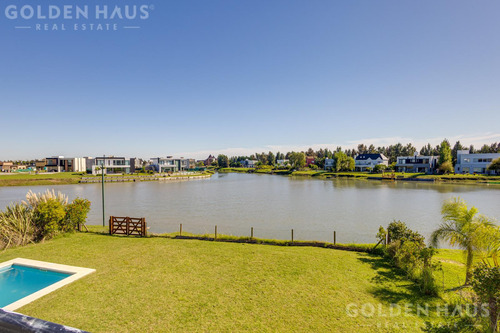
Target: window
(466, 160)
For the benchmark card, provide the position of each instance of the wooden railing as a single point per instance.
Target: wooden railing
(127, 226)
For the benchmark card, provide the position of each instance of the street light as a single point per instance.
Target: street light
(102, 174)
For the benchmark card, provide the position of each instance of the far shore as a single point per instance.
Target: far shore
(70, 178)
(386, 176)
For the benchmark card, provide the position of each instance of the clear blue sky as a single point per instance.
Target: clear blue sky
(244, 75)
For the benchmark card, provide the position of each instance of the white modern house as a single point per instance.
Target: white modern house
(248, 163)
(474, 163)
(111, 165)
(363, 162)
(282, 162)
(171, 164)
(416, 163)
(65, 164)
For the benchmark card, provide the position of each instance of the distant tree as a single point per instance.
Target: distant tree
(426, 150)
(485, 149)
(495, 165)
(372, 150)
(342, 162)
(362, 149)
(458, 146)
(444, 152)
(297, 160)
(320, 162)
(310, 152)
(351, 164)
(223, 161)
(378, 168)
(271, 159)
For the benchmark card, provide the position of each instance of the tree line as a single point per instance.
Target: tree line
(344, 158)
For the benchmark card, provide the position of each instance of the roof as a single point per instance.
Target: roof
(362, 157)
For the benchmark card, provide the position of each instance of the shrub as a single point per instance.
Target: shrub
(486, 284)
(408, 251)
(33, 199)
(378, 168)
(49, 215)
(76, 214)
(446, 167)
(16, 226)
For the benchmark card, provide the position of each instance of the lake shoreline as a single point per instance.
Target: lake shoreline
(454, 179)
(73, 179)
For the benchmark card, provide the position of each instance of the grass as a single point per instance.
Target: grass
(164, 284)
(60, 178)
(368, 248)
(65, 178)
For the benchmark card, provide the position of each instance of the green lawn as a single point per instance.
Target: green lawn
(64, 178)
(23, 179)
(161, 284)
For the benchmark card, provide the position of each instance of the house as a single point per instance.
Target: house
(40, 164)
(329, 163)
(416, 163)
(65, 164)
(210, 160)
(365, 162)
(474, 163)
(19, 168)
(136, 164)
(6, 166)
(248, 163)
(170, 164)
(309, 160)
(111, 164)
(282, 163)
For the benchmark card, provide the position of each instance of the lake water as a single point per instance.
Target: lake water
(274, 205)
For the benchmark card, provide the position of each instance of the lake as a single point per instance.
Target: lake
(273, 205)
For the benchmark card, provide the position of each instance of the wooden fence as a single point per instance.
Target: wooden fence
(127, 226)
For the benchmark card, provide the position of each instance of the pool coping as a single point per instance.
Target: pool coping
(77, 273)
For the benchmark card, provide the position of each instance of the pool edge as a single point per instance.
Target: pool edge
(77, 273)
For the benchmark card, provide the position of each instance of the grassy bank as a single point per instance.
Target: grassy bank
(163, 284)
(62, 178)
(66, 178)
(470, 179)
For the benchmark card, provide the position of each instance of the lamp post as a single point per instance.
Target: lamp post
(102, 174)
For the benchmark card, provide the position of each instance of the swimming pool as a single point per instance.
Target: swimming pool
(24, 280)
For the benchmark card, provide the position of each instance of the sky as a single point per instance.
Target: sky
(244, 76)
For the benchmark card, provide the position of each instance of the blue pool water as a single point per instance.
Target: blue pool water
(18, 281)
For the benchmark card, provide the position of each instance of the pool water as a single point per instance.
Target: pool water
(17, 281)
